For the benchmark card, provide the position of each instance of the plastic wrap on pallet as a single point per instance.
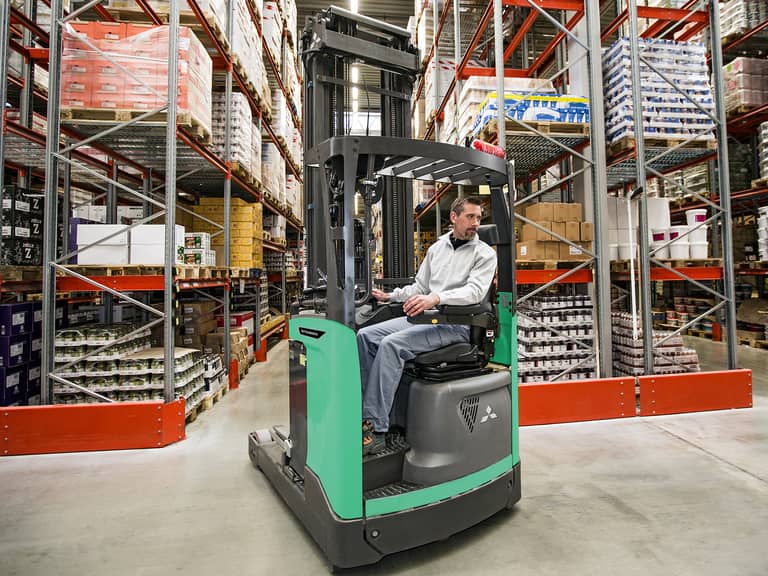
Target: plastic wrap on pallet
(739, 16)
(666, 112)
(241, 123)
(534, 106)
(91, 79)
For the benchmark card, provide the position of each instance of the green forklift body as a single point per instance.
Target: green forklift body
(334, 410)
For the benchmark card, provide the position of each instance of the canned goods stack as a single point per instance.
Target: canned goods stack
(762, 233)
(555, 339)
(672, 357)
(126, 371)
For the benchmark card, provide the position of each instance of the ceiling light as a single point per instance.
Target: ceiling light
(353, 6)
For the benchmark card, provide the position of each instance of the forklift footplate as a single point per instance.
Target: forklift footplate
(394, 489)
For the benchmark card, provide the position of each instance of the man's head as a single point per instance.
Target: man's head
(466, 214)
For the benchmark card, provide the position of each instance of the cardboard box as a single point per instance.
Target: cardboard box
(191, 341)
(541, 212)
(239, 319)
(155, 234)
(534, 250)
(16, 319)
(531, 233)
(197, 308)
(572, 231)
(198, 328)
(108, 255)
(152, 254)
(111, 251)
(566, 212)
(14, 350)
(196, 318)
(90, 233)
(559, 229)
(587, 232)
(13, 385)
(241, 332)
(568, 252)
(215, 342)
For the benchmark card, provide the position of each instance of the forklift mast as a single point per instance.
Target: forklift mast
(332, 42)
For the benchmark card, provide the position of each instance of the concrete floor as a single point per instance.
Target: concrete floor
(673, 495)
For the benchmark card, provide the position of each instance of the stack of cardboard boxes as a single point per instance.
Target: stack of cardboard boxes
(563, 219)
(196, 321)
(21, 216)
(242, 328)
(21, 329)
(246, 244)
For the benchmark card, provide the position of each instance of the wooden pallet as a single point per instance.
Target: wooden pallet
(624, 265)
(760, 183)
(694, 263)
(184, 119)
(547, 264)
(239, 272)
(20, 273)
(699, 333)
(212, 398)
(550, 128)
(629, 143)
(752, 265)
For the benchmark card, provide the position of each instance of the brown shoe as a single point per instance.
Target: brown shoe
(374, 443)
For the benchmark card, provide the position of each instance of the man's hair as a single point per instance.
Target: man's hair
(458, 204)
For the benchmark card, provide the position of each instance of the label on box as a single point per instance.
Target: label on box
(36, 344)
(574, 251)
(523, 250)
(12, 380)
(18, 318)
(39, 315)
(21, 206)
(17, 349)
(34, 373)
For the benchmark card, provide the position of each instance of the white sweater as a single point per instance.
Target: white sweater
(459, 277)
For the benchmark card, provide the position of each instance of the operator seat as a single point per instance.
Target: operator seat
(463, 359)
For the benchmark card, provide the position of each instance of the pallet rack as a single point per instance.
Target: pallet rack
(573, 34)
(150, 157)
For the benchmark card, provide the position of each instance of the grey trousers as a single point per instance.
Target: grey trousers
(384, 349)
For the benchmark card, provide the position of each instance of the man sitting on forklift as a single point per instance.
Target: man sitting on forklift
(458, 270)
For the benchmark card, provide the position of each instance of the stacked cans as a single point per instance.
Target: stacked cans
(762, 233)
(763, 139)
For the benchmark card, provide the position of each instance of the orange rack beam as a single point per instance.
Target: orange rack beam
(695, 392)
(576, 400)
(89, 427)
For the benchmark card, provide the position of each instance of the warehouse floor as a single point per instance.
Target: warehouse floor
(682, 495)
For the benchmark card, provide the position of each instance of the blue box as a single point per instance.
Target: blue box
(37, 316)
(13, 386)
(14, 350)
(15, 319)
(35, 348)
(34, 380)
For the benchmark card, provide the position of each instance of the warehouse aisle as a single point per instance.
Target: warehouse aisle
(683, 495)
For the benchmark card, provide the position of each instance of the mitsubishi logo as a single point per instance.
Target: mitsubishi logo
(489, 415)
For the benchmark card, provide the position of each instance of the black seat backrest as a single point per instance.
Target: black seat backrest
(489, 234)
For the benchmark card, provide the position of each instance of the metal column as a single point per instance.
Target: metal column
(170, 201)
(228, 183)
(640, 191)
(50, 221)
(5, 22)
(601, 274)
(724, 185)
